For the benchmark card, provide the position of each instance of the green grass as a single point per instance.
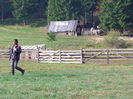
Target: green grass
(67, 81)
(35, 35)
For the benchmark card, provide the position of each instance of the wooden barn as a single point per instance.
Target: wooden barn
(71, 27)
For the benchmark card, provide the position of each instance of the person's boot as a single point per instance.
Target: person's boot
(20, 69)
(13, 73)
(23, 72)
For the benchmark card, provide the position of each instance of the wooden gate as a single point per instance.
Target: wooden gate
(108, 56)
(95, 56)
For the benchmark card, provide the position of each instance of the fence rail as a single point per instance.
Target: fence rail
(26, 55)
(106, 56)
(103, 56)
(59, 56)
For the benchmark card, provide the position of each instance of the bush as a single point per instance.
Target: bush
(112, 40)
(51, 36)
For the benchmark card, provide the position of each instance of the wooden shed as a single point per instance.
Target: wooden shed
(71, 27)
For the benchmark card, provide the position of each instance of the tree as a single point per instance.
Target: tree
(23, 10)
(42, 7)
(20, 11)
(117, 15)
(69, 9)
(5, 9)
(37, 8)
(2, 3)
(59, 10)
(89, 7)
(76, 9)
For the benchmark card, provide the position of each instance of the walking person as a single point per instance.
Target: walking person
(15, 52)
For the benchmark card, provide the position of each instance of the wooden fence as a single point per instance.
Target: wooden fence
(4, 54)
(26, 55)
(60, 56)
(98, 56)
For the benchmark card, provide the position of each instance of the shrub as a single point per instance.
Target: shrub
(51, 36)
(112, 40)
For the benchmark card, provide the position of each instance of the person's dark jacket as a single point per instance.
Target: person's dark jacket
(15, 54)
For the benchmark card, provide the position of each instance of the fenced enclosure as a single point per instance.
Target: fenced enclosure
(98, 56)
(26, 55)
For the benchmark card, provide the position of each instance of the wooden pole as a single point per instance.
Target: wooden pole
(60, 55)
(38, 53)
(107, 56)
(81, 54)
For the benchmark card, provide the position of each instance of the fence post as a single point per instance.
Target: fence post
(59, 55)
(26, 55)
(38, 54)
(81, 54)
(107, 56)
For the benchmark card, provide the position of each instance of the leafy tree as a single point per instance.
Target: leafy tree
(43, 4)
(28, 9)
(89, 9)
(76, 9)
(117, 15)
(21, 8)
(5, 9)
(59, 10)
(37, 8)
(25, 10)
(69, 9)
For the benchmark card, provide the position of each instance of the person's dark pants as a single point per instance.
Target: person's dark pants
(14, 66)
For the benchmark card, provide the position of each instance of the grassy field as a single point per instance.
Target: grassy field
(35, 35)
(67, 81)
(38, 35)
(61, 81)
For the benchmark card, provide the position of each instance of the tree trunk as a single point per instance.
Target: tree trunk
(85, 19)
(2, 13)
(92, 19)
(24, 23)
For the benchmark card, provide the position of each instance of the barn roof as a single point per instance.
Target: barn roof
(63, 26)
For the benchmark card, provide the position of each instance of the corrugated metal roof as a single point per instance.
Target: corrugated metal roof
(63, 26)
